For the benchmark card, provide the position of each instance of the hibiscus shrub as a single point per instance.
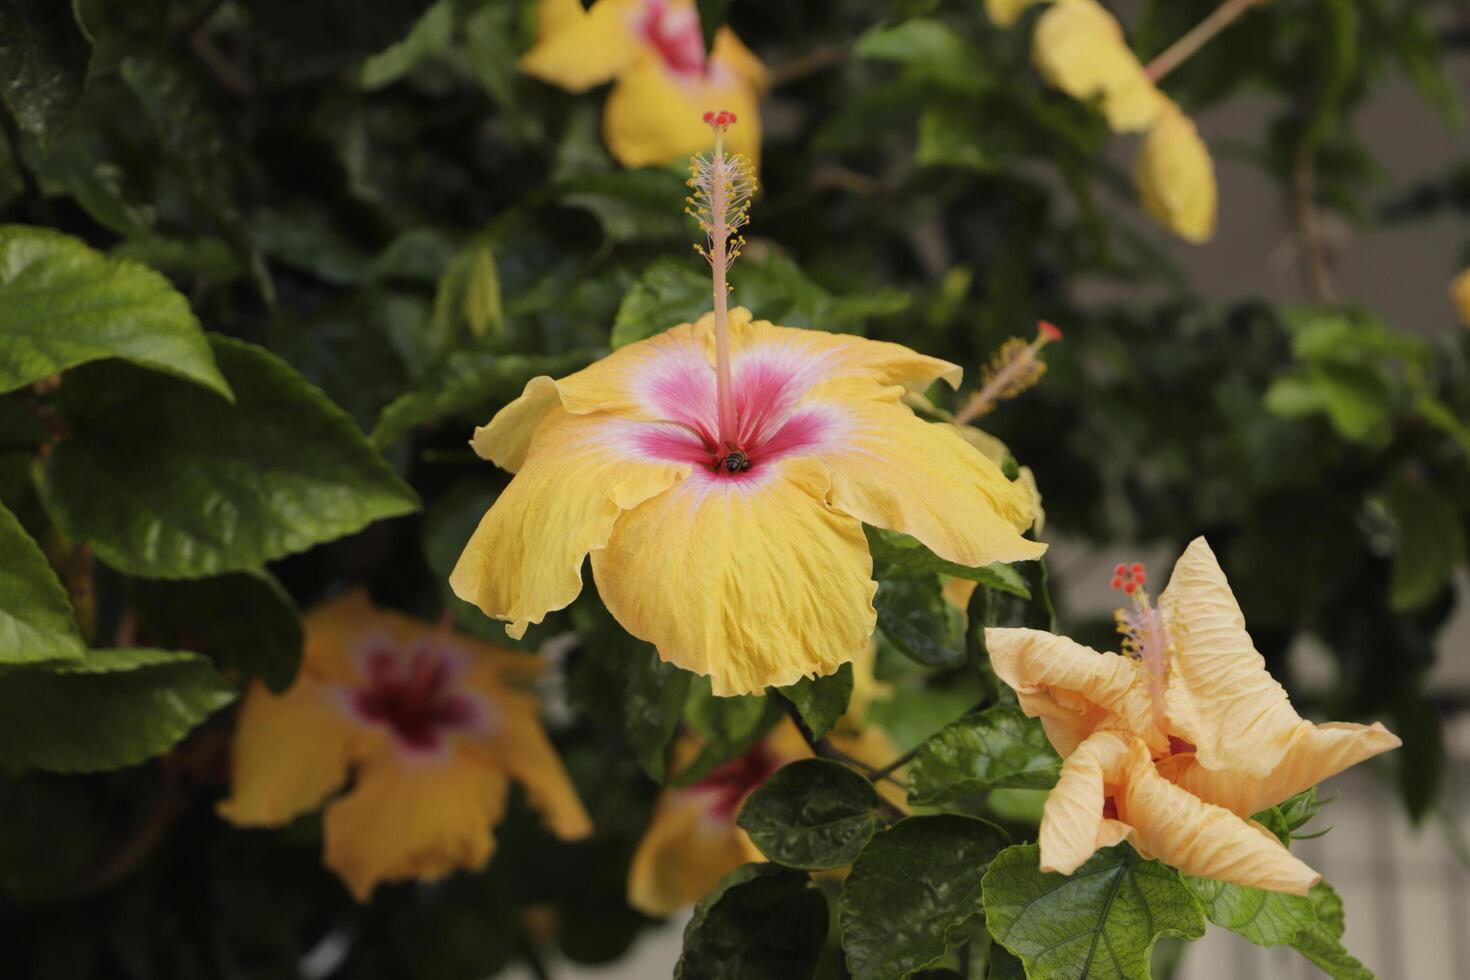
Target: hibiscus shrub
(334, 338)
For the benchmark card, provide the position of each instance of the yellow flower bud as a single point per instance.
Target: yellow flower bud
(1079, 47)
(1176, 177)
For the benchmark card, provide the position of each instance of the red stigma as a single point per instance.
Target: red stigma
(1129, 578)
(1130, 588)
(1048, 330)
(1122, 569)
(709, 117)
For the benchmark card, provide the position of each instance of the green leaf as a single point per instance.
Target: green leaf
(929, 50)
(1101, 921)
(668, 293)
(244, 621)
(712, 16)
(1322, 943)
(632, 205)
(812, 814)
(822, 700)
(194, 486)
(1355, 399)
(43, 63)
(299, 41)
(474, 377)
(1265, 918)
(111, 709)
(955, 134)
(654, 694)
(997, 747)
(915, 617)
(776, 289)
(914, 893)
(62, 304)
(430, 36)
(730, 726)
(1431, 541)
(900, 549)
(36, 622)
(469, 295)
(762, 922)
(1300, 809)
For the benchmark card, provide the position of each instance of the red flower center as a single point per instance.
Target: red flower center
(414, 697)
(675, 35)
(730, 783)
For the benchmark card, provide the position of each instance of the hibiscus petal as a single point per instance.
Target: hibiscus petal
(1073, 825)
(808, 357)
(419, 819)
(525, 558)
(1073, 689)
(1220, 696)
(578, 49)
(1199, 838)
(1079, 47)
(1175, 176)
(683, 854)
(1316, 752)
(752, 580)
(893, 470)
(655, 115)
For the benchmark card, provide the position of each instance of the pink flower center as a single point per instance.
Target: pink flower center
(674, 33)
(415, 697)
(729, 784)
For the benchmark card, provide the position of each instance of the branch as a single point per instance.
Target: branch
(1308, 229)
(1201, 34)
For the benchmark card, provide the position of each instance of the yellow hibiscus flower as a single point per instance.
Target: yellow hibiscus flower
(1004, 13)
(1079, 47)
(1176, 177)
(653, 53)
(431, 726)
(1460, 295)
(1174, 745)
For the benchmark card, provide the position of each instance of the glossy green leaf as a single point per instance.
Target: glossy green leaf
(654, 693)
(669, 292)
(763, 922)
(110, 709)
(901, 549)
(822, 700)
(997, 747)
(730, 726)
(244, 621)
(1099, 922)
(1322, 943)
(195, 486)
(474, 377)
(36, 622)
(915, 617)
(914, 893)
(812, 814)
(62, 305)
(43, 64)
(1265, 918)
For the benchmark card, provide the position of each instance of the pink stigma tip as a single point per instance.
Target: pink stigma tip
(1048, 330)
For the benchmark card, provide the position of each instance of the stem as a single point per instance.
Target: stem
(895, 765)
(1184, 48)
(1309, 233)
(720, 263)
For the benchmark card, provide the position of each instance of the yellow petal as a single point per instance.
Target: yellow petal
(1198, 838)
(893, 470)
(419, 819)
(518, 745)
(814, 356)
(577, 49)
(655, 115)
(1315, 753)
(1073, 689)
(1176, 177)
(996, 451)
(290, 753)
(1073, 826)
(1460, 294)
(753, 581)
(1219, 695)
(1004, 13)
(1079, 47)
(683, 855)
(525, 558)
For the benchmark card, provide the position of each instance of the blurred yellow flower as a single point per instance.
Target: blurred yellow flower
(1174, 745)
(430, 727)
(1176, 177)
(1004, 13)
(743, 561)
(1460, 294)
(653, 52)
(1079, 47)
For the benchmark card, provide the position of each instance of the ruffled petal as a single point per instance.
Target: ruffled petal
(420, 819)
(1073, 689)
(893, 470)
(1315, 753)
(525, 558)
(577, 49)
(1073, 824)
(1079, 47)
(290, 752)
(1176, 177)
(1219, 695)
(683, 855)
(1199, 838)
(752, 580)
(655, 114)
(762, 352)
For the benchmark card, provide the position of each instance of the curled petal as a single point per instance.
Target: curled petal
(1073, 689)
(577, 49)
(893, 470)
(414, 820)
(525, 558)
(1199, 838)
(752, 580)
(1315, 753)
(1220, 696)
(684, 854)
(1073, 821)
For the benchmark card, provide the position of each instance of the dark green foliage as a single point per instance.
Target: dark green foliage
(761, 922)
(812, 814)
